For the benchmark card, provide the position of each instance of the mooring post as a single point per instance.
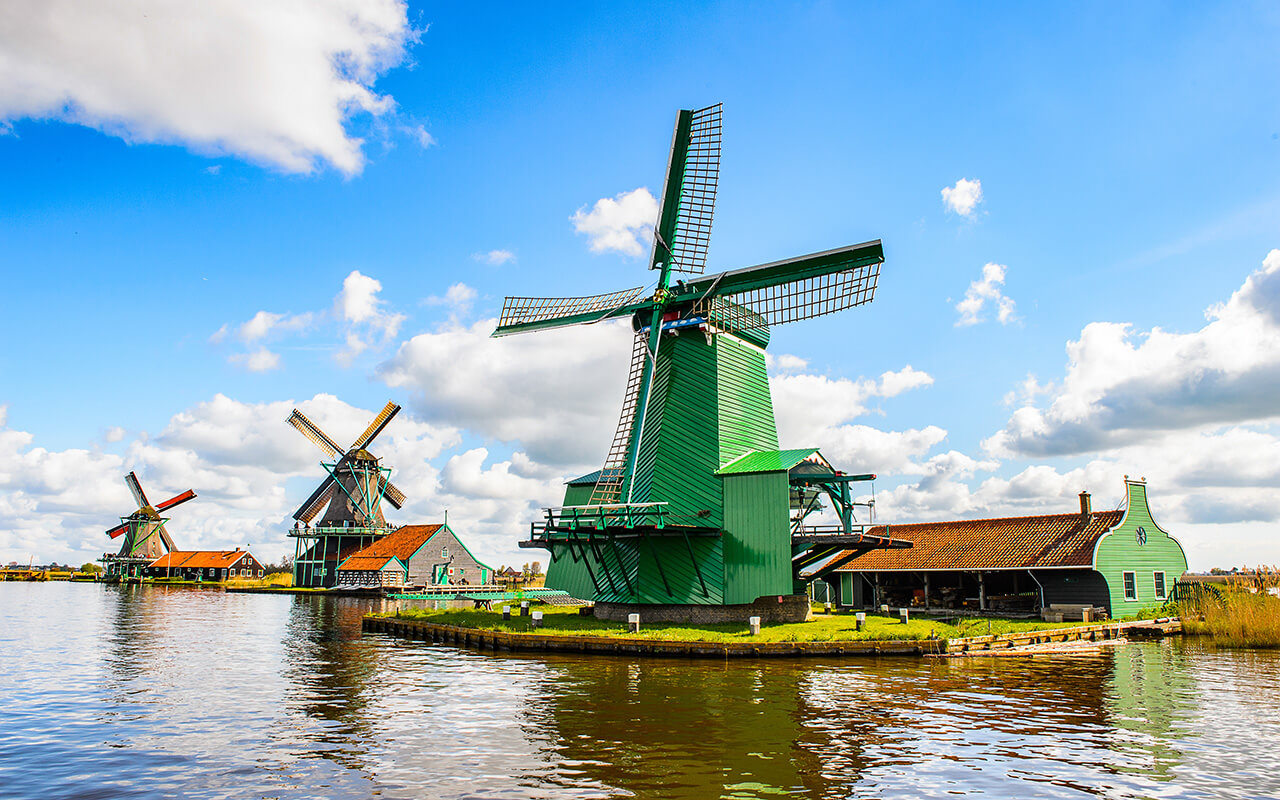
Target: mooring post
(633, 623)
(826, 607)
(524, 608)
(904, 615)
(860, 619)
(754, 624)
(506, 613)
(537, 619)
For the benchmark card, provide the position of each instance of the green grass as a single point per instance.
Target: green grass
(822, 628)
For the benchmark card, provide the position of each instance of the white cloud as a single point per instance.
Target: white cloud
(422, 136)
(362, 321)
(623, 224)
(495, 257)
(964, 197)
(113, 434)
(272, 81)
(264, 323)
(904, 380)
(980, 292)
(458, 298)
(556, 392)
(1123, 387)
(260, 360)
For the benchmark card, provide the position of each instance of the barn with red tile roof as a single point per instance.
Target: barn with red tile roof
(205, 565)
(1119, 560)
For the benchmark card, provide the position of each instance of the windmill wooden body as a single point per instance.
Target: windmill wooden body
(676, 517)
(351, 498)
(145, 537)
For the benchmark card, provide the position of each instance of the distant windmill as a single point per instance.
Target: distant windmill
(353, 491)
(697, 399)
(146, 538)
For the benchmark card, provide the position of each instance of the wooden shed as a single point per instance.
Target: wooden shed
(371, 572)
(1119, 560)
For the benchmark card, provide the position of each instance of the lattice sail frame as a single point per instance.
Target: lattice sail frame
(613, 474)
(692, 237)
(792, 301)
(527, 310)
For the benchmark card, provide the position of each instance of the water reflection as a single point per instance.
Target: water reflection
(154, 692)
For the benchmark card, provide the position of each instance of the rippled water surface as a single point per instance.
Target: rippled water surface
(155, 692)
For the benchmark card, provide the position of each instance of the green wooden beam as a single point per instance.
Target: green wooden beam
(779, 272)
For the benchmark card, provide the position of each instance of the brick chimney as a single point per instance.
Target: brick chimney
(1086, 506)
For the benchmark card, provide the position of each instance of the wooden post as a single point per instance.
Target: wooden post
(982, 591)
(926, 592)
(876, 591)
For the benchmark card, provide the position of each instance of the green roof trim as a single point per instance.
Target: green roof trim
(766, 461)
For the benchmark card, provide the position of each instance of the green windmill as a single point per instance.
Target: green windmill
(695, 504)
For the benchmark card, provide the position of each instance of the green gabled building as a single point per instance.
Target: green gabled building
(1120, 560)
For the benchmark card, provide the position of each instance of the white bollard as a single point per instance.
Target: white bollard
(506, 613)
(753, 623)
(860, 619)
(633, 623)
(537, 619)
(524, 608)
(826, 607)
(884, 609)
(903, 614)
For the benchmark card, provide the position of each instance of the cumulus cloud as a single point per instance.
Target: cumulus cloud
(964, 197)
(527, 390)
(260, 360)
(272, 81)
(984, 291)
(264, 323)
(1125, 387)
(495, 257)
(457, 298)
(113, 434)
(623, 224)
(362, 323)
(368, 323)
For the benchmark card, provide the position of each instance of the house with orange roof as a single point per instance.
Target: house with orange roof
(205, 565)
(428, 555)
(1119, 560)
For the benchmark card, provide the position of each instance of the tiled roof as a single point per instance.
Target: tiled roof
(1050, 540)
(199, 559)
(367, 563)
(403, 543)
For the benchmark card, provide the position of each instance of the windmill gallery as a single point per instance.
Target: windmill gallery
(698, 513)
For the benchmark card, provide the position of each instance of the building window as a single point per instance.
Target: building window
(1130, 586)
(1158, 578)
(444, 552)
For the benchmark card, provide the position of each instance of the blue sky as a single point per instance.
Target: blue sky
(161, 184)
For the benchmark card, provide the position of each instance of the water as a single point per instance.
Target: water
(153, 692)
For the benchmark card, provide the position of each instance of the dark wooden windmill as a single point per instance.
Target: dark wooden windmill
(691, 506)
(145, 537)
(351, 497)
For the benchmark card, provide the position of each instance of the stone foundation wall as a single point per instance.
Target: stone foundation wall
(774, 608)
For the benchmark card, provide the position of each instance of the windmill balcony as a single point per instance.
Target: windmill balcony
(614, 520)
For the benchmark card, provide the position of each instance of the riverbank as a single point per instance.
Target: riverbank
(835, 628)
(1244, 612)
(1057, 640)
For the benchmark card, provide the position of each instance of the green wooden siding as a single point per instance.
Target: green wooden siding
(757, 537)
(1119, 551)
(635, 574)
(579, 495)
(746, 407)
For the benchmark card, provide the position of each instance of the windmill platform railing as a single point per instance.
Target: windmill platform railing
(613, 520)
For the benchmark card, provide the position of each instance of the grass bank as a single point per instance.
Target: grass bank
(834, 628)
(1242, 613)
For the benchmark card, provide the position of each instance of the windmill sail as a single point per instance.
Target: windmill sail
(790, 290)
(521, 314)
(683, 233)
(310, 430)
(379, 422)
(135, 488)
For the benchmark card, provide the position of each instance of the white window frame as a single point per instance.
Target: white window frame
(1124, 586)
(1161, 588)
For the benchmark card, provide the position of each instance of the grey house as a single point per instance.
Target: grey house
(433, 555)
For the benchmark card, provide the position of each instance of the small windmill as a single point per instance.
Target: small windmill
(697, 395)
(146, 538)
(353, 492)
